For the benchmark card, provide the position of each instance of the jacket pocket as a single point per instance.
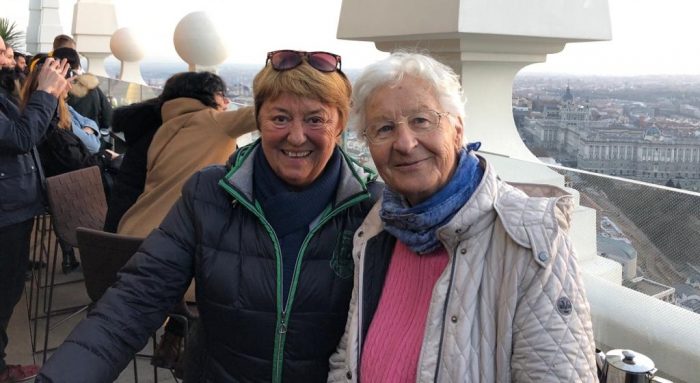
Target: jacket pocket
(18, 183)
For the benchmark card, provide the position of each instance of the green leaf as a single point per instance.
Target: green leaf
(10, 33)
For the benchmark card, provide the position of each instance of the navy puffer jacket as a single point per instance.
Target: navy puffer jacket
(216, 234)
(20, 188)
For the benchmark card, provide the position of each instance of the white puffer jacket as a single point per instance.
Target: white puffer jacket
(516, 309)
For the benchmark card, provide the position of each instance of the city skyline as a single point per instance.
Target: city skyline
(649, 36)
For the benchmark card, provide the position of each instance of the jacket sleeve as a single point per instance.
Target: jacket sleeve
(19, 132)
(236, 123)
(105, 116)
(90, 140)
(149, 285)
(552, 330)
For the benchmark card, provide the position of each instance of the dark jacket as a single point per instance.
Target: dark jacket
(217, 234)
(139, 123)
(61, 151)
(87, 98)
(20, 188)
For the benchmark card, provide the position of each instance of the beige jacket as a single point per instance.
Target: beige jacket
(516, 309)
(192, 137)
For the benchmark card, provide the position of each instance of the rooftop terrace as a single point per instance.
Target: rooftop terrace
(487, 43)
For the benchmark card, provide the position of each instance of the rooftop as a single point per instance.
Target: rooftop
(655, 219)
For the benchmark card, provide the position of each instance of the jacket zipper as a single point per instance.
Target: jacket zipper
(281, 325)
(444, 314)
(284, 319)
(360, 294)
(284, 312)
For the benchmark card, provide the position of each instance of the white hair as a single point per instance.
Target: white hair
(392, 70)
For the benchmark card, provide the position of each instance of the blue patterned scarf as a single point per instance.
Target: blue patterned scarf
(416, 226)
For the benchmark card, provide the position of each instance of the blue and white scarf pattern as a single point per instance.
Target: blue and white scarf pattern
(416, 226)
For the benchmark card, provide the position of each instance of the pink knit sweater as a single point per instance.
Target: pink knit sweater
(392, 347)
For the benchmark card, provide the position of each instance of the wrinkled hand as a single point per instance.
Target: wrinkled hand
(52, 77)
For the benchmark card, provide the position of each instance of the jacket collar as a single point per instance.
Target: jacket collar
(179, 106)
(353, 176)
(83, 84)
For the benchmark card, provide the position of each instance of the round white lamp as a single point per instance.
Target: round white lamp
(126, 48)
(198, 42)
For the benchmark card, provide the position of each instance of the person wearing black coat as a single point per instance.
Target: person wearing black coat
(139, 123)
(87, 98)
(268, 240)
(20, 192)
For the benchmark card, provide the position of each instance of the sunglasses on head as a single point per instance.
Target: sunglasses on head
(289, 59)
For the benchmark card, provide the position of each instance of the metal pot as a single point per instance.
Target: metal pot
(626, 366)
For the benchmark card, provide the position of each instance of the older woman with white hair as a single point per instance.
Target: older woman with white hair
(460, 277)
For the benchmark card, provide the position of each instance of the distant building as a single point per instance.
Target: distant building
(688, 297)
(633, 146)
(647, 155)
(560, 128)
(620, 251)
(652, 288)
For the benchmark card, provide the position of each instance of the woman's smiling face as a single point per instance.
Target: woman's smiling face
(298, 136)
(415, 166)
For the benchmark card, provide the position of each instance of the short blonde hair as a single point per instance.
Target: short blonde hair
(331, 88)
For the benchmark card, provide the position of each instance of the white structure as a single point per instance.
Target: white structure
(198, 42)
(44, 25)
(94, 21)
(127, 49)
(487, 43)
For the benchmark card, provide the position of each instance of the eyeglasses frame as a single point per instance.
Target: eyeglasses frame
(437, 124)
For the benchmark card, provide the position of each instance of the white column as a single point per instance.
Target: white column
(487, 44)
(44, 25)
(94, 21)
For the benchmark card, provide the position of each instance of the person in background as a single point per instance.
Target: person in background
(86, 97)
(64, 41)
(21, 68)
(10, 57)
(20, 192)
(197, 131)
(9, 80)
(138, 122)
(20, 62)
(459, 276)
(83, 126)
(63, 147)
(266, 238)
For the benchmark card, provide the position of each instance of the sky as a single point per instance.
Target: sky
(649, 36)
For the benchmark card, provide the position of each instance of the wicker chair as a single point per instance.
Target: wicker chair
(76, 199)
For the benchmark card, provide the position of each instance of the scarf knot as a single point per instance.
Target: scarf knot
(416, 226)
